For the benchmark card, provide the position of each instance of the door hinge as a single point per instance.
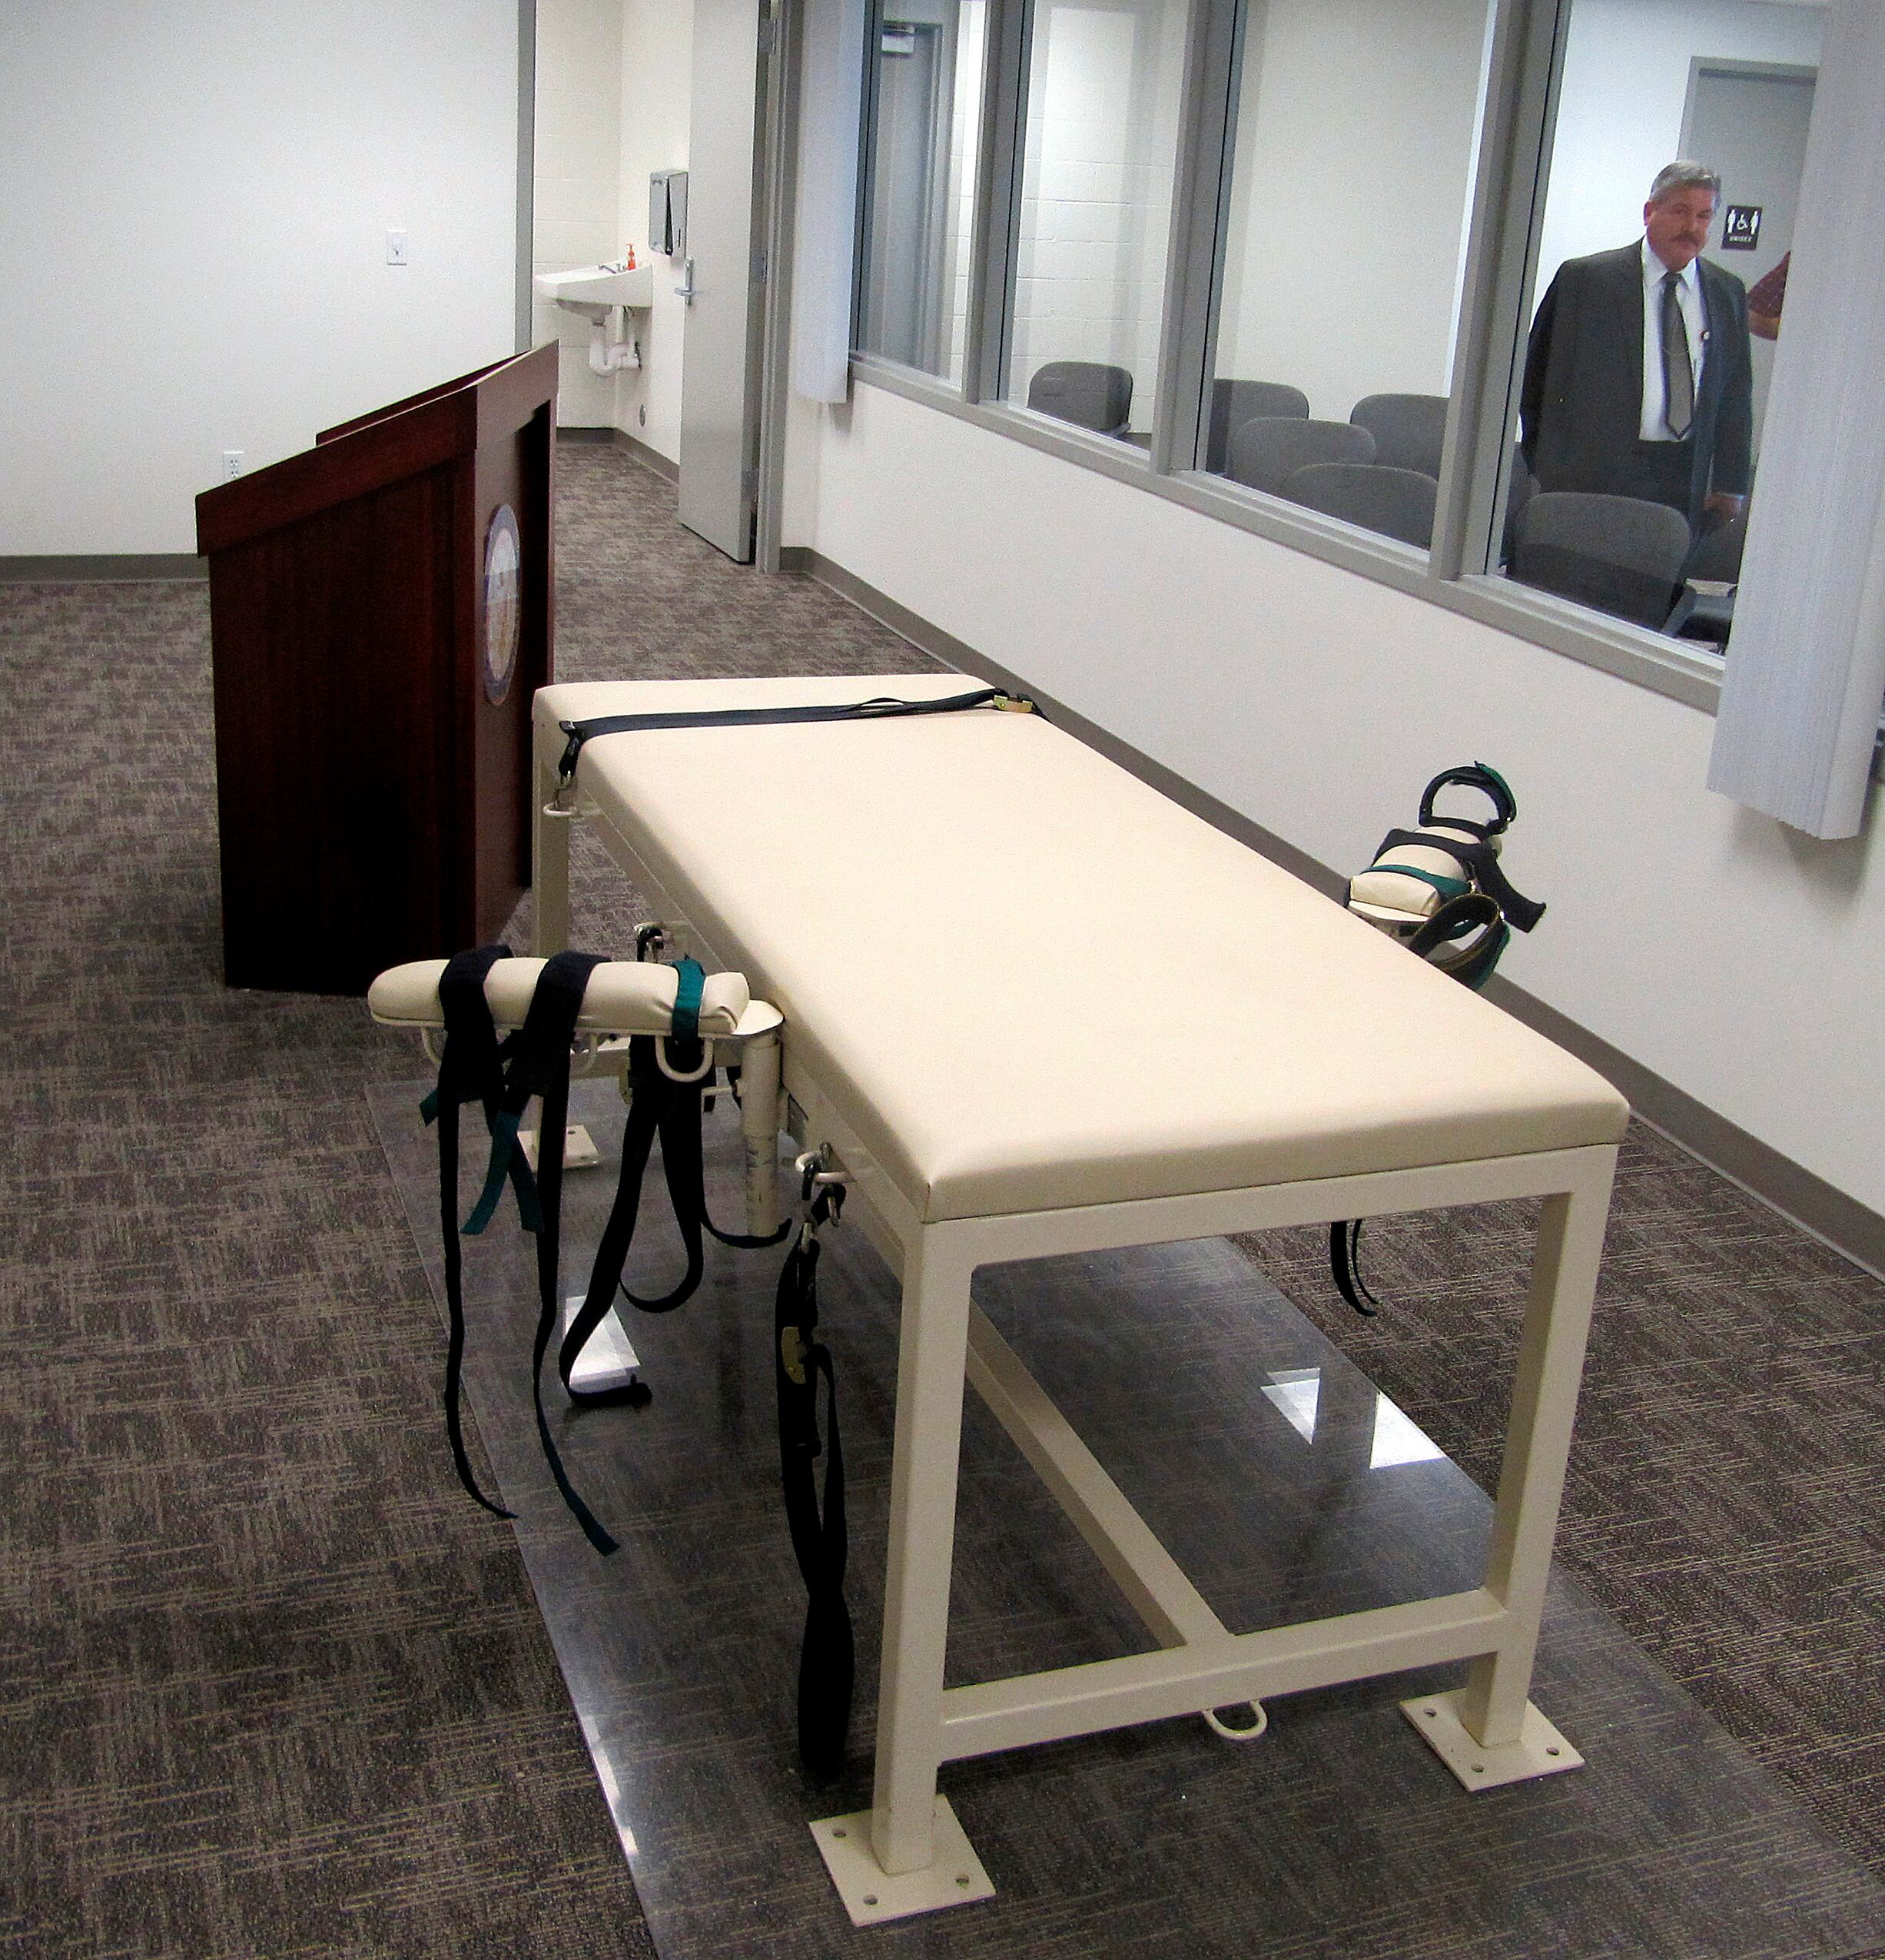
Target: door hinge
(768, 33)
(749, 481)
(759, 268)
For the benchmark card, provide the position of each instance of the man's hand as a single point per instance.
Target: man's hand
(1722, 508)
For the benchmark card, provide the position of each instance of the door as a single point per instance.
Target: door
(722, 275)
(1747, 121)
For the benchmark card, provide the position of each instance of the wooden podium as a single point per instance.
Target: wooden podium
(380, 614)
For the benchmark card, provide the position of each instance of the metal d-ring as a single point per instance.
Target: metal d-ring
(664, 1042)
(1231, 1735)
(815, 1173)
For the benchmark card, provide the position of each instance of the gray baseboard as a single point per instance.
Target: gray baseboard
(663, 466)
(94, 567)
(1804, 1198)
(1799, 1195)
(649, 459)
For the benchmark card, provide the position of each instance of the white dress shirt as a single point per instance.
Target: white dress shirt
(1689, 294)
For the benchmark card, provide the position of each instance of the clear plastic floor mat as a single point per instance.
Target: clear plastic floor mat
(1287, 1486)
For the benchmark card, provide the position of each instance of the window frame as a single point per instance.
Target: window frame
(1518, 116)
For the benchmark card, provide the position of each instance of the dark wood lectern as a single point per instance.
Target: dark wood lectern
(380, 614)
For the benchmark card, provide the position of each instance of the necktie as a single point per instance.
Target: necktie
(1679, 372)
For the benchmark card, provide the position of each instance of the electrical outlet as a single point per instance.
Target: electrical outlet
(396, 248)
(232, 464)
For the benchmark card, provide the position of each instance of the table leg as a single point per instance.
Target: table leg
(549, 864)
(759, 1130)
(930, 1374)
(1545, 1401)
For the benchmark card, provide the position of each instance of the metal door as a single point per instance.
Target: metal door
(722, 278)
(1747, 121)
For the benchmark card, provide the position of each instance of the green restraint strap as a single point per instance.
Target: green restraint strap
(690, 983)
(1447, 888)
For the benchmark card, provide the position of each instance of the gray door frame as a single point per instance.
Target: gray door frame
(782, 51)
(775, 189)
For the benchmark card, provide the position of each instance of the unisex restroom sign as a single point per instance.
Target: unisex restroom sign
(1741, 228)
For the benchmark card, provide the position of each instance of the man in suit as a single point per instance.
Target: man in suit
(1636, 377)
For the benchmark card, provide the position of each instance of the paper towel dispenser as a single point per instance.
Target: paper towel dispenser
(667, 212)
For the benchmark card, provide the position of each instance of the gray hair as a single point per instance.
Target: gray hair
(1681, 175)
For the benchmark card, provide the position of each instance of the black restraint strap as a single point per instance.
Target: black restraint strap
(1345, 1252)
(470, 1068)
(1487, 780)
(880, 708)
(504, 1075)
(659, 1106)
(1438, 941)
(541, 1067)
(827, 1654)
(478, 1063)
(1482, 861)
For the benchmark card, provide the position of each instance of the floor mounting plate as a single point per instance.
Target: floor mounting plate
(1540, 1751)
(579, 1148)
(870, 1897)
(607, 1360)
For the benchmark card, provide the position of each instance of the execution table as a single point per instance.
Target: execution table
(1031, 1007)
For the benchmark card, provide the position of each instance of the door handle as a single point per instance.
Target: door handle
(685, 290)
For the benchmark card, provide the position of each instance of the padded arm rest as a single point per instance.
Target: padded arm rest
(1391, 897)
(624, 997)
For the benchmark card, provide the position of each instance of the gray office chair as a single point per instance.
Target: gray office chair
(1268, 450)
(1396, 502)
(1407, 429)
(1523, 487)
(1715, 555)
(1235, 403)
(1088, 394)
(1713, 559)
(1620, 554)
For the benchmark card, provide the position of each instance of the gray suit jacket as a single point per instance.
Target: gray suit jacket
(1582, 401)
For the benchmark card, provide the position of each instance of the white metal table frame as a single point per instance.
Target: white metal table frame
(1487, 1731)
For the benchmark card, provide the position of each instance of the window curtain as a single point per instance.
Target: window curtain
(1806, 667)
(824, 238)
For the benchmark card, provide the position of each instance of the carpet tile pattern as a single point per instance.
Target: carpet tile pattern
(272, 1688)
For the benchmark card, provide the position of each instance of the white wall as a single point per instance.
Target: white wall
(1620, 110)
(657, 68)
(1355, 133)
(577, 205)
(193, 227)
(1740, 961)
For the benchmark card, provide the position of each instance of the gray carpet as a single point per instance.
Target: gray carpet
(272, 1687)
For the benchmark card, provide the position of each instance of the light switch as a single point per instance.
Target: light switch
(396, 248)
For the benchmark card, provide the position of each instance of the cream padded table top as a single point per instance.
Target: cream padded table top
(1026, 979)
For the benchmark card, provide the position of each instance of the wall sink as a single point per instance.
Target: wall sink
(592, 290)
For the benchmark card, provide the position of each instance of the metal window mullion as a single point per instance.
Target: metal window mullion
(1200, 183)
(1508, 197)
(527, 172)
(997, 199)
(867, 168)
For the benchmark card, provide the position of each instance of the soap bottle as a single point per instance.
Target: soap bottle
(630, 267)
